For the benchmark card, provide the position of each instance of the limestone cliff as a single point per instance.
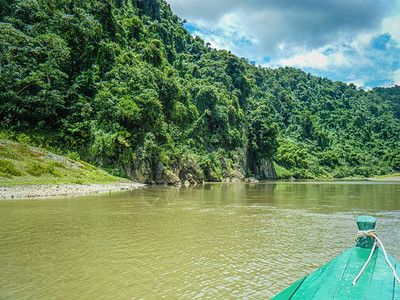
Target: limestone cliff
(187, 171)
(264, 170)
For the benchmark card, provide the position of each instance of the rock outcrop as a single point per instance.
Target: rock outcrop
(153, 171)
(264, 170)
(188, 172)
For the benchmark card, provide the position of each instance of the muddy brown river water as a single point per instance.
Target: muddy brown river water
(215, 241)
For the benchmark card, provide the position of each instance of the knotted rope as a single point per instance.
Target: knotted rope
(373, 235)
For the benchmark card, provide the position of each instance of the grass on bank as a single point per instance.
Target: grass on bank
(395, 176)
(28, 165)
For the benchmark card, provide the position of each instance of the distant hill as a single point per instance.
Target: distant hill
(124, 85)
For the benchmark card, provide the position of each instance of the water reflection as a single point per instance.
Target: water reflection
(226, 240)
(325, 197)
(161, 196)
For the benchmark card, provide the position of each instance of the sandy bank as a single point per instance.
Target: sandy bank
(33, 191)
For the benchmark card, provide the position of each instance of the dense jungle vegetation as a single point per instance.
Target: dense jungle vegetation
(121, 83)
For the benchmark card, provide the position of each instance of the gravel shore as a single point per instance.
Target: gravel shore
(33, 191)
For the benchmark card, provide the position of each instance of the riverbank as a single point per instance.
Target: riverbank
(47, 190)
(390, 177)
(384, 179)
(31, 172)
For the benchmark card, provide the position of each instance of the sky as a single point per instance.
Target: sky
(353, 41)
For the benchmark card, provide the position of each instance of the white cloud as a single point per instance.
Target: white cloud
(324, 58)
(396, 77)
(392, 25)
(339, 59)
(352, 41)
(313, 59)
(228, 33)
(304, 24)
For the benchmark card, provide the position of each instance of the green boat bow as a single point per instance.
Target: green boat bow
(338, 278)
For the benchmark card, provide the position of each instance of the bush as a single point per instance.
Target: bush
(7, 167)
(7, 152)
(291, 155)
(281, 172)
(342, 172)
(211, 166)
(38, 169)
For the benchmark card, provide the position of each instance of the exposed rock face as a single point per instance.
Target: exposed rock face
(234, 172)
(237, 176)
(211, 177)
(140, 170)
(152, 170)
(187, 171)
(171, 178)
(251, 179)
(265, 170)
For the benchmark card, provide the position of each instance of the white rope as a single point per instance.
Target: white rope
(373, 235)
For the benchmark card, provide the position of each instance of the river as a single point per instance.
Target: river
(214, 241)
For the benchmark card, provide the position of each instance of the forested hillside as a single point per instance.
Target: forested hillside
(122, 84)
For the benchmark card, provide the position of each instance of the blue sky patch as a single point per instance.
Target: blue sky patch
(381, 42)
(351, 41)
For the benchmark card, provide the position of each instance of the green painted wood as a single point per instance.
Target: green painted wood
(396, 285)
(288, 292)
(383, 281)
(345, 289)
(327, 289)
(334, 280)
(310, 283)
(365, 223)
(315, 280)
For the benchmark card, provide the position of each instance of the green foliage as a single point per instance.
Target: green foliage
(7, 167)
(211, 166)
(283, 173)
(262, 131)
(28, 165)
(38, 169)
(109, 144)
(151, 53)
(115, 82)
(341, 129)
(394, 159)
(33, 81)
(291, 155)
(206, 98)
